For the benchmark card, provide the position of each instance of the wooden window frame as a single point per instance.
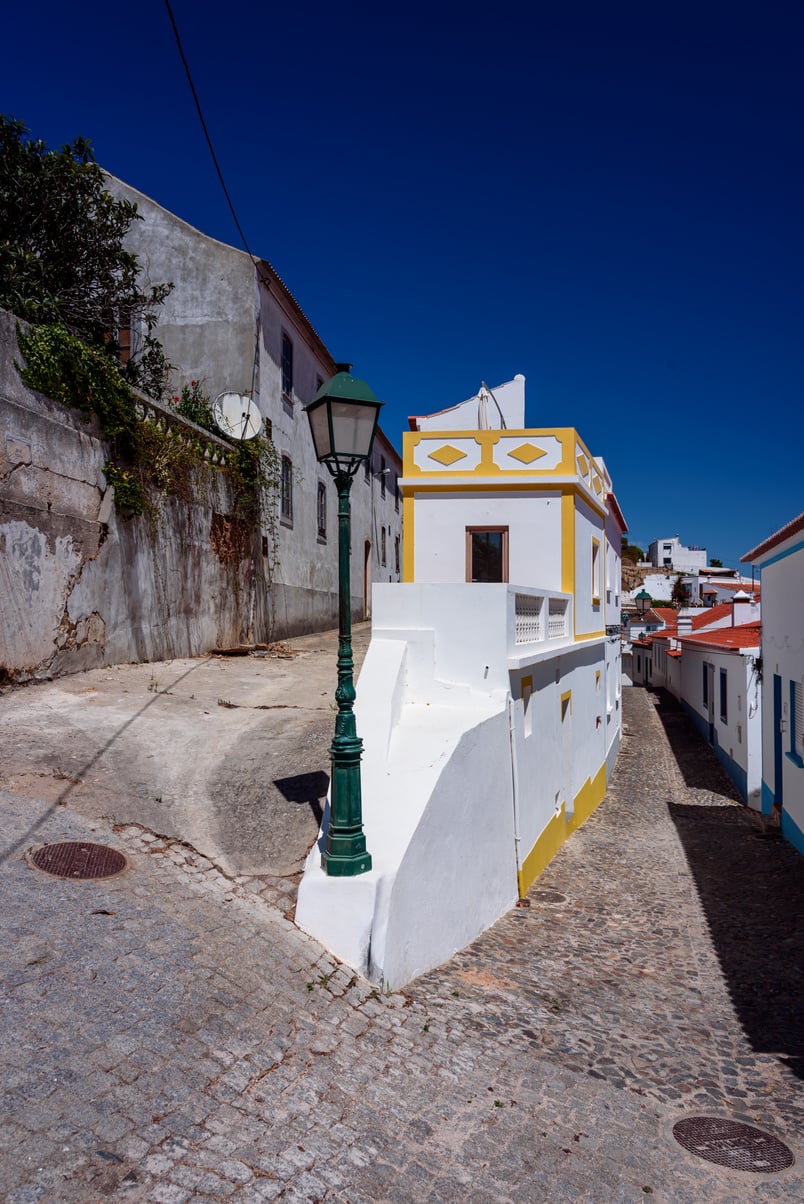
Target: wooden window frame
(286, 490)
(321, 510)
(470, 531)
(286, 367)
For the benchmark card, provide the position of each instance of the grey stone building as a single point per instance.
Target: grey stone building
(232, 324)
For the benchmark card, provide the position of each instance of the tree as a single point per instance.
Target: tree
(631, 553)
(715, 563)
(62, 258)
(680, 595)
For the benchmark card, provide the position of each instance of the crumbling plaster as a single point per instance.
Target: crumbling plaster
(79, 586)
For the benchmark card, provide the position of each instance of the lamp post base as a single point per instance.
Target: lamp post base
(346, 865)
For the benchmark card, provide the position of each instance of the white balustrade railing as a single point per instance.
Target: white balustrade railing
(539, 618)
(527, 618)
(557, 618)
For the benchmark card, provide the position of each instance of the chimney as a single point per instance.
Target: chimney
(744, 609)
(684, 625)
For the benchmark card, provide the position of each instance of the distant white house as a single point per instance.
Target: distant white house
(670, 553)
(708, 660)
(780, 560)
(489, 700)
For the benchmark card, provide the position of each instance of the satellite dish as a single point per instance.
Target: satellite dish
(236, 415)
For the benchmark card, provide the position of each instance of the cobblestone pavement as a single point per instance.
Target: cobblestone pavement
(169, 1036)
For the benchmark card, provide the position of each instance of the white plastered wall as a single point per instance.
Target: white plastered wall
(458, 781)
(533, 520)
(783, 655)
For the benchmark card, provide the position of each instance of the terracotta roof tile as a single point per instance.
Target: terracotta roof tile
(747, 635)
(792, 528)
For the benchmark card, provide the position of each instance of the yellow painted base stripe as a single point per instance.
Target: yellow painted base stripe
(543, 852)
(589, 797)
(408, 548)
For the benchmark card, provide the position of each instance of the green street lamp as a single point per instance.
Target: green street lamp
(343, 420)
(642, 601)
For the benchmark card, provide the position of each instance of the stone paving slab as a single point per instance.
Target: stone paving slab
(229, 753)
(170, 1036)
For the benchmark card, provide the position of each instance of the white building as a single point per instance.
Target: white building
(232, 324)
(671, 553)
(780, 560)
(707, 659)
(489, 700)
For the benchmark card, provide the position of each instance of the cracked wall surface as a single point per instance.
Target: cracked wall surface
(80, 587)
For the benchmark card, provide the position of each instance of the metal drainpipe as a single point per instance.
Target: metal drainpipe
(514, 787)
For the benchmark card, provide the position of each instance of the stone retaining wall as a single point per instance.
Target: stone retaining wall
(79, 586)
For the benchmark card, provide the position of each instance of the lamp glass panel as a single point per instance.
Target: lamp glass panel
(319, 428)
(352, 428)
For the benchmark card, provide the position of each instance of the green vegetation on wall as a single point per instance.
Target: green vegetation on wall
(149, 461)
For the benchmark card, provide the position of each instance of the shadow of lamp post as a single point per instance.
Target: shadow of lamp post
(343, 420)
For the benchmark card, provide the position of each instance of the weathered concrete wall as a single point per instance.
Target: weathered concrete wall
(81, 587)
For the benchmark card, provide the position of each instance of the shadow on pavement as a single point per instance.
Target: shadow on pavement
(751, 886)
(307, 788)
(83, 770)
(699, 772)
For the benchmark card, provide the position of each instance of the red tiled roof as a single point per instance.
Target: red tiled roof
(747, 635)
(792, 528)
(711, 614)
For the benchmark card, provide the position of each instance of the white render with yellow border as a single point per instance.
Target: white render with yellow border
(489, 708)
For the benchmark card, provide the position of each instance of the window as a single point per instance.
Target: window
(287, 368)
(486, 553)
(396, 552)
(724, 711)
(396, 494)
(286, 490)
(595, 572)
(797, 723)
(322, 510)
(383, 546)
(382, 478)
(705, 697)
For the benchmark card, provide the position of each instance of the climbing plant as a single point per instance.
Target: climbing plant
(149, 462)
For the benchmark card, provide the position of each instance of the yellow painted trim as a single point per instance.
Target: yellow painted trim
(446, 455)
(580, 636)
(408, 558)
(589, 797)
(543, 852)
(568, 543)
(566, 697)
(487, 441)
(526, 682)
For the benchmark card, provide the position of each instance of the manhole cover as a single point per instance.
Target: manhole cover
(548, 896)
(79, 859)
(729, 1143)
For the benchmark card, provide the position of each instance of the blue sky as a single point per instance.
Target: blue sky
(607, 198)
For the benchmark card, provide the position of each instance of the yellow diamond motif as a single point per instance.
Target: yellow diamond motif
(447, 455)
(527, 453)
(583, 464)
(598, 484)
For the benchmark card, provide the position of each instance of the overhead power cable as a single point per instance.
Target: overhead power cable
(206, 135)
(257, 263)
